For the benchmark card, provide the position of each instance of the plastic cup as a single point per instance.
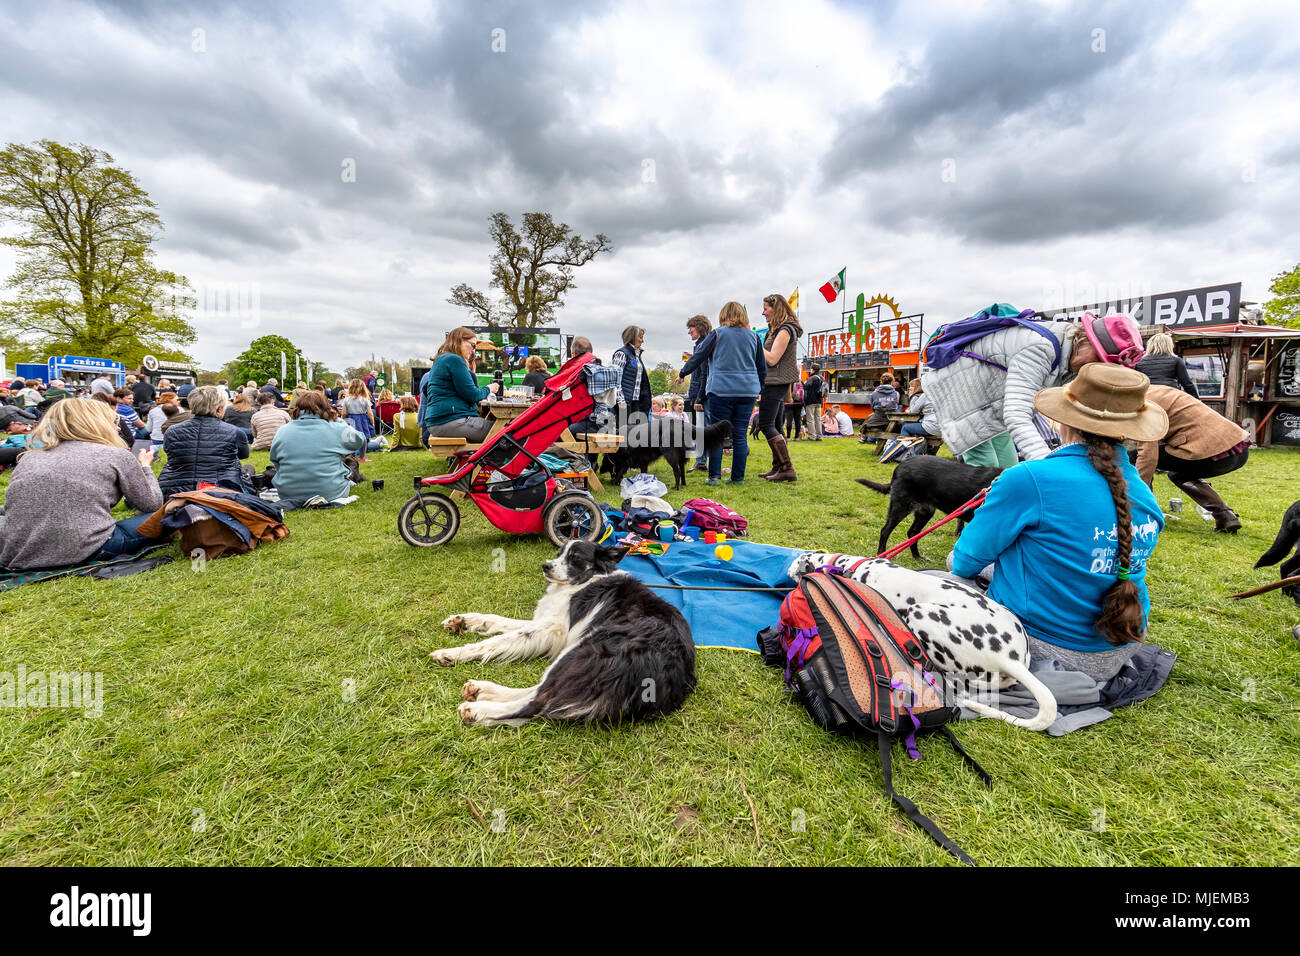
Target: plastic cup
(710, 537)
(722, 536)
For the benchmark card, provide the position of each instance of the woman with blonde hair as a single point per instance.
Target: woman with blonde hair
(451, 393)
(1163, 367)
(357, 407)
(58, 506)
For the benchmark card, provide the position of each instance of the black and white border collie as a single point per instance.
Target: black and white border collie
(617, 650)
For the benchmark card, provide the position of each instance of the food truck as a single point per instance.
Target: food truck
(74, 370)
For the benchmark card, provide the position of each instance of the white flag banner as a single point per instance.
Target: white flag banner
(282, 369)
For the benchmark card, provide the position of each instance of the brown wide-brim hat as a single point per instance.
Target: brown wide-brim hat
(1108, 400)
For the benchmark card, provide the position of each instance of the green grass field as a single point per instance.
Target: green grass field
(228, 735)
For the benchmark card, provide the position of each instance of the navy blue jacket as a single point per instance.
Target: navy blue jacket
(203, 449)
(697, 367)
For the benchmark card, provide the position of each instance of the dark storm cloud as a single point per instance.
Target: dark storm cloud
(1016, 105)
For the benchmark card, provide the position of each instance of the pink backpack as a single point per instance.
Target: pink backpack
(711, 516)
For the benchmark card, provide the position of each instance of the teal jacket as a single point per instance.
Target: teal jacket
(450, 392)
(308, 457)
(1048, 528)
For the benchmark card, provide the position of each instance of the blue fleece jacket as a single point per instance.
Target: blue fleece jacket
(450, 391)
(308, 457)
(1048, 527)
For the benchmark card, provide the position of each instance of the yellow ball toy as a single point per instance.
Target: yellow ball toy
(722, 552)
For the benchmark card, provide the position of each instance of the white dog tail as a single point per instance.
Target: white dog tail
(1046, 701)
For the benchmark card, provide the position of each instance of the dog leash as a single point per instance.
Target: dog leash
(696, 587)
(971, 505)
(1285, 582)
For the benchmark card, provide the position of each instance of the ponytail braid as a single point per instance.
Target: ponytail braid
(1121, 611)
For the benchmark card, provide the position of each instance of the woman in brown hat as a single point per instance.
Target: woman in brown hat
(1070, 535)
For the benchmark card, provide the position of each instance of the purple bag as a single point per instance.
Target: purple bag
(711, 516)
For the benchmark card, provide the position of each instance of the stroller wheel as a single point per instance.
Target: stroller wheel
(428, 519)
(573, 515)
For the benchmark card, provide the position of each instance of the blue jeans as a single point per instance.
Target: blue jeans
(124, 539)
(910, 429)
(736, 411)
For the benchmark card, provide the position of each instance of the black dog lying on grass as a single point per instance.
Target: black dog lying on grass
(921, 485)
(1287, 538)
(667, 438)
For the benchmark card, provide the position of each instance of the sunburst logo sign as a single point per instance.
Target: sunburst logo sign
(858, 324)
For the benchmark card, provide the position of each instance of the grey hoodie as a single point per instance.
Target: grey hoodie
(884, 399)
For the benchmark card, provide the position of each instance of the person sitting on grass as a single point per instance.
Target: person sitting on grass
(125, 400)
(266, 421)
(204, 449)
(58, 506)
(1069, 536)
(308, 453)
(843, 420)
(830, 426)
(158, 416)
(240, 414)
(406, 425)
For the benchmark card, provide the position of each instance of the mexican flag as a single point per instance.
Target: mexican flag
(833, 288)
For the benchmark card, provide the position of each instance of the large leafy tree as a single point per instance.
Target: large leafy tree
(86, 282)
(261, 360)
(1285, 308)
(533, 269)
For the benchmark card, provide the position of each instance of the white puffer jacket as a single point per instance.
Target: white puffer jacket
(975, 401)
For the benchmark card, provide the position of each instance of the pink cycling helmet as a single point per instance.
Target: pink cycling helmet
(1115, 339)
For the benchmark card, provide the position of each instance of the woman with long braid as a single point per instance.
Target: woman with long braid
(1070, 535)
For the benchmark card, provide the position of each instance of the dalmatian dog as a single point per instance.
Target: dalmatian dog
(975, 642)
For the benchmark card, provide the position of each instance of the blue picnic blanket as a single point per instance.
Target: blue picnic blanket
(719, 618)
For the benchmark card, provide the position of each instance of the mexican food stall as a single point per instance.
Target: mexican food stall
(874, 338)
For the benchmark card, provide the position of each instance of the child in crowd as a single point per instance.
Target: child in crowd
(406, 425)
(356, 405)
(158, 417)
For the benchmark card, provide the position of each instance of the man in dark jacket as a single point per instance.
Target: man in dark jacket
(145, 394)
(814, 393)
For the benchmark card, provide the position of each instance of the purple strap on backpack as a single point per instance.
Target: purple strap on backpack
(802, 638)
(910, 740)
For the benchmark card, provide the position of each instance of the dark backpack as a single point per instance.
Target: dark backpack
(859, 670)
(949, 342)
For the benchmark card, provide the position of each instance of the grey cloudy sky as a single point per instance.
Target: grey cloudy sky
(948, 154)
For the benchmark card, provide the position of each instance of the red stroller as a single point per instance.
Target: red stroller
(504, 478)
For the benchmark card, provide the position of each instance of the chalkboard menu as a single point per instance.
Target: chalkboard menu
(1286, 427)
(1288, 372)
